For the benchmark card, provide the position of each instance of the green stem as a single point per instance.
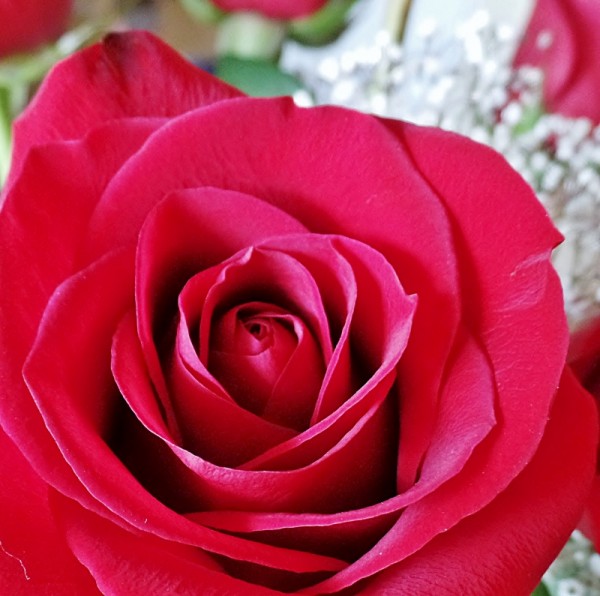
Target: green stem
(396, 17)
(5, 132)
(324, 25)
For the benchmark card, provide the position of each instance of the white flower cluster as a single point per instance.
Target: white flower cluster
(576, 572)
(464, 81)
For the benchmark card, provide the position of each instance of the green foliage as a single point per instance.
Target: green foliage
(256, 77)
(541, 590)
(203, 10)
(323, 26)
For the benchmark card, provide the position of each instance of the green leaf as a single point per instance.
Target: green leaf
(324, 25)
(541, 590)
(256, 77)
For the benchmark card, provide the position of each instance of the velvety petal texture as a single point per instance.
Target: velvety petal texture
(25, 24)
(34, 557)
(300, 356)
(562, 39)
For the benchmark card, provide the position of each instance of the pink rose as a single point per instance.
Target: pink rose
(25, 24)
(275, 9)
(251, 348)
(562, 39)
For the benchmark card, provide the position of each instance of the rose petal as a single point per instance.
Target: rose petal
(523, 293)
(533, 290)
(63, 341)
(57, 205)
(133, 380)
(590, 520)
(194, 229)
(465, 419)
(34, 557)
(584, 360)
(384, 343)
(391, 210)
(298, 383)
(269, 362)
(216, 427)
(126, 76)
(208, 486)
(62, 393)
(139, 562)
(345, 535)
(511, 539)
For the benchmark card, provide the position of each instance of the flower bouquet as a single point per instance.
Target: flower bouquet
(248, 347)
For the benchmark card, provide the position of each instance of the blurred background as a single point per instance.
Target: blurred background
(168, 18)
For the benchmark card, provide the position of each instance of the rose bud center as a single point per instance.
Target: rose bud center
(268, 361)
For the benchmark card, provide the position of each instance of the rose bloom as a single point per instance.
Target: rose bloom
(26, 24)
(562, 39)
(275, 9)
(251, 348)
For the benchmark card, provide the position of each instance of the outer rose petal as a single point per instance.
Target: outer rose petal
(276, 9)
(126, 76)
(136, 563)
(506, 547)
(95, 476)
(50, 200)
(34, 556)
(523, 291)
(570, 61)
(25, 24)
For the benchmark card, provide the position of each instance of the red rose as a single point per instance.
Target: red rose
(254, 348)
(562, 39)
(275, 9)
(25, 24)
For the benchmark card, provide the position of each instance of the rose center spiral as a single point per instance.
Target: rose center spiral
(268, 361)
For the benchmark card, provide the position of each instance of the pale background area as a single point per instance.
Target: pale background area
(173, 24)
(165, 17)
(370, 16)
